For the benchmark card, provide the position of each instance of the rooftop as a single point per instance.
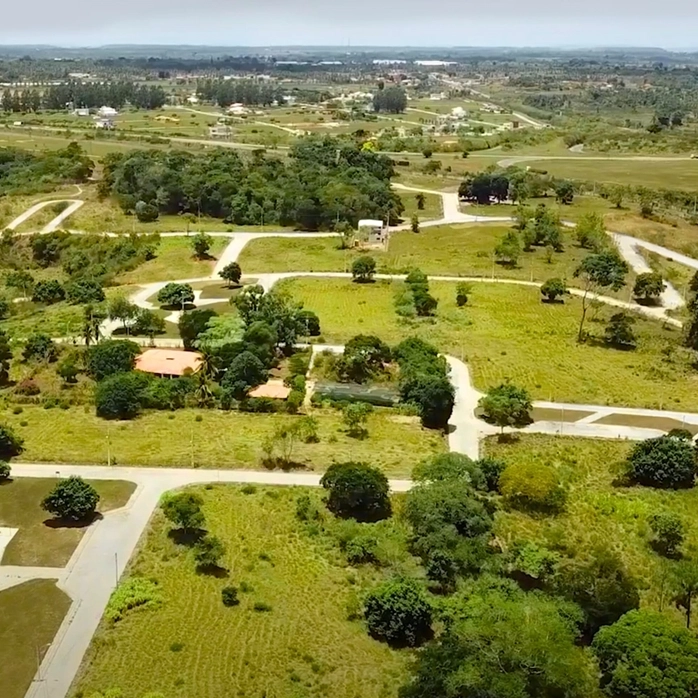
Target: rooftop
(168, 362)
(272, 389)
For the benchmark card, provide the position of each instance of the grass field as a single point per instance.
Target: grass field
(506, 332)
(303, 646)
(432, 206)
(598, 512)
(220, 439)
(175, 260)
(39, 544)
(678, 235)
(31, 615)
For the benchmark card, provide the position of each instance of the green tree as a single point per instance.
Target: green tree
(119, 396)
(249, 303)
(310, 323)
(619, 331)
(20, 280)
(421, 200)
(508, 249)
(392, 100)
(68, 369)
(245, 372)
(48, 292)
(685, 584)
(649, 286)
(72, 499)
(146, 213)
(450, 466)
(398, 612)
(554, 288)
(504, 643)
(231, 273)
(532, 486)
(148, 322)
(363, 269)
(5, 357)
(175, 295)
(201, 244)
(121, 309)
(663, 462)
(5, 471)
(192, 324)
(364, 357)
(599, 271)
(668, 532)
(645, 655)
(39, 347)
(208, 552)
(110, 357)
(11, 445)
(435, 396)
(462, 292)
(591, 232)
(414, 223)
(183, 509)
(92, 319)
(507, 406)
(84, 291)
(357, 490)
(355, 416)
(564, 192)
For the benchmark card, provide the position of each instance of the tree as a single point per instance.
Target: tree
(424, 303)
(72, 499)
(599, 271)
(504, 643)
(146, 213)
(110, 357)
(462, 291)
(668, 533)
(48, 292)
(434, 395)
(508, 250)
(11, 445)
(39, 347)
(398, 612)
(84, 291)
(421, 200)
(148, 323)
(175, 295)
(532, 486)
(249, 303)
(685, 584)
(619, 331)
(5, 357)
(193, 323)
(564, 192)
(390, 99)
(601, 586)
(68, 369)
(553, 288)
(5, 471)
(357, 490)
(663, 462)
(208, 552)
(201, 244)
(245, 372)
(310, 323)
(450, 466)
(21, 280)
(119, 396)
(183, 509)
(645, 655)
(121, 309)
(591, 232)
(355, 416)
(364, 357)
(649, 286)
(414, 223)
(231, 273)
(363, 269)
(507, 406)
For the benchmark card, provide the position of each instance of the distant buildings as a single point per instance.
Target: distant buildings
(220, 131)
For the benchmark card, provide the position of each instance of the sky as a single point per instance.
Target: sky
(670, 24)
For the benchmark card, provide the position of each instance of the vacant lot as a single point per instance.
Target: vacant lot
(219, 440)
(505, 332)
(432, 206)
(39, 542)
(31, 615)
(598, 512)
(191, 645)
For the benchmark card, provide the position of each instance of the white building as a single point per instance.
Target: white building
(107, 112)
(220, 131)
(81, 111)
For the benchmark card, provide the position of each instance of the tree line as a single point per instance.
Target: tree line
(250, 92)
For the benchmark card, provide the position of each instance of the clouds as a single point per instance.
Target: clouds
(360, 22)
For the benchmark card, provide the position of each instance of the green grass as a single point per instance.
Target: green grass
(36, 543)
(432, 206)
(175, 260)
(220, 439)
(506, 332)
(31, 614)
(303, 646)
(598, 512)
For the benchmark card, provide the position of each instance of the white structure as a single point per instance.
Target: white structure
(434, 64)
(193, 99)
(372, 230)
(107, 112)
(237, 109)
(81, 111)
(220, 131)
(106, 124)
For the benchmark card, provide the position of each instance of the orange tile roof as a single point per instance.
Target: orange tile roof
(273, 389)
(168, 362)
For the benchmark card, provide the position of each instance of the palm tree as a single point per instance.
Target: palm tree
(92, 324)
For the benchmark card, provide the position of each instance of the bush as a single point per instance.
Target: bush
(553, 288)
(307, 509)
(5, 471)
(135, 592)
(668, 531)
(11, 445)
(462, 292)
(506, 406)
(28, 388)
(48, 292)
(361, 549)
(84, 291)
(261, 607)
(40, 347)
(183, 509)
(310, 323)
(363, 269)
(435, 397)
(119, 396)
(208, 551)
(110, 357)
(72, 499)
(399, 613)
(229, 596)
(357, 490)
(532, 486)
(663, 462)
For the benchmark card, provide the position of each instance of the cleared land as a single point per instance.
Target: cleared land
(506, 332)
(598, 511)
(40, 540)
(31, 615)
(302, 646)
(432, 206)
(219, 440)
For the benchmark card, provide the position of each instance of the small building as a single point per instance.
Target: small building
(372, 231)
(107, 112)
(220, 131)
(106, 124)
(273, 389)
(168, 363)
(81, 111)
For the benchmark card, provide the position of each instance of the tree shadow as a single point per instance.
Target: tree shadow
(275, 463)
(423, 636)
(62, 522)
(648, 302)
(358, 433)
(509, 438)
(188, 537)
(212, 571)
(661, 550)
(553, 301)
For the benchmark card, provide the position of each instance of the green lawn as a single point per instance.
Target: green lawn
(432, 206)
(31, 614)
(506, 332)
(175, 260)
(220, 439)
(597, 512)
(303, 646)
(39, 544)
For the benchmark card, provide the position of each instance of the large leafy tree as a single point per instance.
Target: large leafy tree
(364, 357)
(507, 405)
(110, 357)
(184, 510)
(175, 295)
(357, 490)
(665, 461)
(73, 499)
(245, 372)
(10, 444)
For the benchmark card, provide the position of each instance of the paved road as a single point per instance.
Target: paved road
(74, 206)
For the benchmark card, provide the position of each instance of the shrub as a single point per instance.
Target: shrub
(119, 396)
(363, 269)
(553, 288)
(27, 387)
(229, 596)
(183, 509)
(208, 551)
(506, 406)
(357, 490)
(462, 292)
(40, 347)
(307, 509)
(110, 357)
(135, 592)
(663, 462)
(5, 471)
(261, 607)
(84, 291)
(434, 395)
(11, 445)
(310, 323)
(532, 486)
(48, 292)
(73, 499)
(398, 612)
(669, 531)
(361, 549)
